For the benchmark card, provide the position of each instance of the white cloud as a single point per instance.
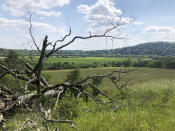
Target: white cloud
(158, 29)
(40, 7)
(47, 13)
(20, 25)
(138, 23)
(158, 33)
(15, 32)
(102, 14)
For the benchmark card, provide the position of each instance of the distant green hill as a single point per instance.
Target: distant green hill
(151, 48)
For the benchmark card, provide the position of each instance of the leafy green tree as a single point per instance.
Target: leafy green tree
(128, 62)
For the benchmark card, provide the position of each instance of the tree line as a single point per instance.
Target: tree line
(146, 49)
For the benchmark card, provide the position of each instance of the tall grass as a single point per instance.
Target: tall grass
(147, 105)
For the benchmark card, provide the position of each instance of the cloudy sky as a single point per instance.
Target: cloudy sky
(143, 20)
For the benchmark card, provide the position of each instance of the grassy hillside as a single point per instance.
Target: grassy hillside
(148, 104)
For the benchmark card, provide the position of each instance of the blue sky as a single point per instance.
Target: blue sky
(143, 21)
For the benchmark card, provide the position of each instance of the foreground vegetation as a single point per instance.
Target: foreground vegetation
(147, 103)
(146, 107)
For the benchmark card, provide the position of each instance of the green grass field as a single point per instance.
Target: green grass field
(138, 76)
(85, 60)
(150, 105)
(147, 105)
(54, 62)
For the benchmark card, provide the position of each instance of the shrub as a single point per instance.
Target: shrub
(12, 83)
(74, 75)
(170, 64)
(68, 108)
(156, 64)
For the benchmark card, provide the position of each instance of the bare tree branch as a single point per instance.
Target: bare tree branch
(47, 117)
(86, 37)
(4, 88)
(32, 75)
(28, 123)
(30, 30)
(110, 75)
(2, 75)
(58, 96)
(13, 73)
(102, 92)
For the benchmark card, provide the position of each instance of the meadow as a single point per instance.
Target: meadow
(148, 103)
(138, 76)
(59, 63)
(2, 57)
(84, 60)
(87, 60)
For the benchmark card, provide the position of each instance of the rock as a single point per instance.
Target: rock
(2, 105)
(1, 118)
(51, 93)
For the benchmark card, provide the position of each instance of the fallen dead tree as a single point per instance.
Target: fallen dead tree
(31, 75)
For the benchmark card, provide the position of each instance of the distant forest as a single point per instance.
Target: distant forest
(148, 49)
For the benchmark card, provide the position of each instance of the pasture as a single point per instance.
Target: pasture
(84, 60)
(138, 76)
(147, 104)
(58, 63)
